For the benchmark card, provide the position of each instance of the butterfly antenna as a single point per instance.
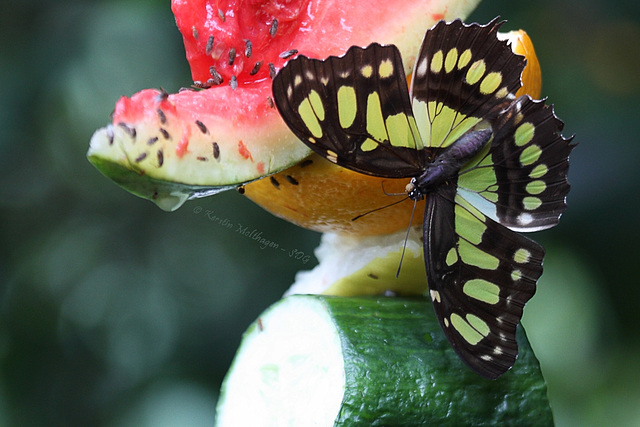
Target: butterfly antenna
(380, 208)
(406, 238)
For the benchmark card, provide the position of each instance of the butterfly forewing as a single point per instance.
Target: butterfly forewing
(480, 276)
(521, 180)
(354, 110)
(463, 75)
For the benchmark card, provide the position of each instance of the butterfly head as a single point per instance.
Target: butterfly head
(414, 192)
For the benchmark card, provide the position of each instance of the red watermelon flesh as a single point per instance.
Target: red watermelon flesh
(171, 147)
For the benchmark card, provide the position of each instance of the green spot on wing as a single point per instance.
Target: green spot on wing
(465, 330)
(368, 145)
(468, 226)
(490, 83)
(539, 171)
(469, 207)
(522, 256)
(442, 124)
(452, 257)
(482, 290)
(472, 255)
(531, 203)
(530, 155)
(347, 106)
(305, 110)
(401, 131)
(465, 58)
(536, 187)
(436, 62)
(516, 275)
(451, 60)
(475, 72)
(386, 69)
(375, 121)
(524, 134)
(478, 324)
(316, 104)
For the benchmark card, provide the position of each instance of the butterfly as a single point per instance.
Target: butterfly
(487, 163)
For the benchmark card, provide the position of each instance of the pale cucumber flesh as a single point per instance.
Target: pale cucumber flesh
(288, 371)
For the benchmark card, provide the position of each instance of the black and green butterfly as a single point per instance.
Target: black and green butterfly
(487, 164)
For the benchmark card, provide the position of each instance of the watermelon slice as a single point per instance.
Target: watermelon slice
(172, 147)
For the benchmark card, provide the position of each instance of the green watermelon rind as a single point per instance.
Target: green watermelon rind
(168, 195)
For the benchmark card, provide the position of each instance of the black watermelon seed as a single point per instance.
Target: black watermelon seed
(161, 116)
(291, 179)
(152, 140)
(232, 55)
(234, 82)
(255, 68)
(274, 28)
(248, 48)
(270, 102)
(202, 159)
(141, 157)
(160, 158)
(305, 163)
(162, 96)
(128, 129)
(216, 150)
(194, 32)
(202, 127)
(221, 15)
(164, 133)
(274, 182)
(272, 70)
(110, 135)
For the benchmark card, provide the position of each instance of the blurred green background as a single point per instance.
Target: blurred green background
(113, 312)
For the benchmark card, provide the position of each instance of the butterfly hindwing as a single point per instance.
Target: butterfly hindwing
(464, 74)
(521, 179)
(480, 276)
(353, 110)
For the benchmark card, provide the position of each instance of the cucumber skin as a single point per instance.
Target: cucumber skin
(414, 378)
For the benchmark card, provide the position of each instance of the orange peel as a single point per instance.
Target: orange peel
(532, 75)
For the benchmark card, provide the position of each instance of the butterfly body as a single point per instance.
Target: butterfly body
(486, 163)
(447, 164)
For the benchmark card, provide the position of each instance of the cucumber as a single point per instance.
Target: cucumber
(323, 361)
